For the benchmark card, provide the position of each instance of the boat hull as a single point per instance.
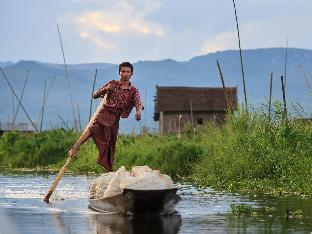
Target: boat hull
(132, 202)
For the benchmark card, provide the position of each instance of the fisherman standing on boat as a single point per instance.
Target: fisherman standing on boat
(122, 96)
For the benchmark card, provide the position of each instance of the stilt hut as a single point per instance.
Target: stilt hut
(177, 106)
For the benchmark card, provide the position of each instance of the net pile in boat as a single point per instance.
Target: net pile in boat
(139, 178)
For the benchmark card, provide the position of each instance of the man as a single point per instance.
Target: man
(122, 96)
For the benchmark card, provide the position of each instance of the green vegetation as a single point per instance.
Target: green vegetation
(246, 154)
(35, 150)
(239, 209)
(257, 155)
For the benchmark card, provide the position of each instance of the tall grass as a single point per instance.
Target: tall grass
(257, 155)
(35, 150)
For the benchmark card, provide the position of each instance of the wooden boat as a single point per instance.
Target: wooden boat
(131, 202)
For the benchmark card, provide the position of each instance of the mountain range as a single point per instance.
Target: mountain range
(199, 71)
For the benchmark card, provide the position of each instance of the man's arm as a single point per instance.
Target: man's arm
(138, 112)
(138, 105)
(102, 91)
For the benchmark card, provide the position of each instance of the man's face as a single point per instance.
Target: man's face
(125, 73)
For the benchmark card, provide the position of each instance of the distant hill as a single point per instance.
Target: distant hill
(199, 71)
(5, 64)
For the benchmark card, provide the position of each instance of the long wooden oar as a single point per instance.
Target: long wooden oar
(57, 180)
(64, 168)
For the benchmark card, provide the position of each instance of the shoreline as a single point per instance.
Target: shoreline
(244, 191)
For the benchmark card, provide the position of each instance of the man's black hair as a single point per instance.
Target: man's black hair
(126, 64)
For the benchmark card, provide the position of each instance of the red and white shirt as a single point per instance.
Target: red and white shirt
(121, 100)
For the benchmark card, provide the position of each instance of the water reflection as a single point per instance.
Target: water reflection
(152, 224)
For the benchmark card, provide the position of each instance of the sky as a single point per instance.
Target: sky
(112, 31)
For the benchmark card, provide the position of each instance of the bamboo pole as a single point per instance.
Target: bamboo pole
(68, 81)
(13, 107)
(191, 107)
(32, 123)
(223, 85)
(179, 126)
(285, 64)
(64, 168)
(21, 97)
(48, 92)
(284, 98)
(241, 59)
(91, 100)
(50, 87)
(43, 102)
(79, 119)
(57, 180)
(270, 98)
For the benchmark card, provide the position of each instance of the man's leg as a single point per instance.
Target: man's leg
(82, 139)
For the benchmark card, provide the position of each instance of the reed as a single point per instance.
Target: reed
(241, 58)
(43, 104)
(68, 81)
(270, 97)
(20, 103)
(20, 100)
(228, 104)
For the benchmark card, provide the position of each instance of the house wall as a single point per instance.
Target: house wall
(169, 123)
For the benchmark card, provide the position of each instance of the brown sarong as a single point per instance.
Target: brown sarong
(104, 133)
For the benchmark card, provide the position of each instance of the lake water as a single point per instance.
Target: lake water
(200, 211)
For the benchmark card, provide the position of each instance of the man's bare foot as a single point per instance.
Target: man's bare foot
(73, 151)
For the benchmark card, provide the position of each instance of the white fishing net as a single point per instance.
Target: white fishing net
(139, 178)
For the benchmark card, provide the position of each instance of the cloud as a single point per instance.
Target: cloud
(260, 33)
(99, 42)
(122, 19)
(157, 29)
(144, 28)
(100, 22)
(109, 23)
(220, 42)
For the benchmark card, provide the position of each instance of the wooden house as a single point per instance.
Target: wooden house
(177, 106)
